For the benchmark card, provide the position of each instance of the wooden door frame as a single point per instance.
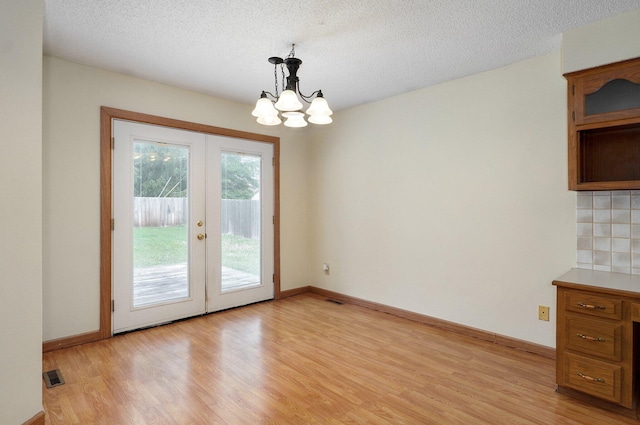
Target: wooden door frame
(107, 115)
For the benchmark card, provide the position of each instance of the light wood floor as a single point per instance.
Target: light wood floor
(303, 360)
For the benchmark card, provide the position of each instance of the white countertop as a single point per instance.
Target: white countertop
(600, 281)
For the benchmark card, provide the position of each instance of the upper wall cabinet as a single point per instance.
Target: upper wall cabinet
(604, 127)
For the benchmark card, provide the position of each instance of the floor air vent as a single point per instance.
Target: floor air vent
(335, 301)
(53, 378)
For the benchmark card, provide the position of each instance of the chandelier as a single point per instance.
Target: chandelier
(287, 103)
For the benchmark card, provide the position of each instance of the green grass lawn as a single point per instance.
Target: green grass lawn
(168, 245)
(159, 245)
(241, 253)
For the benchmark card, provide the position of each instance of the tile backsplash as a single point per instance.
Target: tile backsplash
(608, 229)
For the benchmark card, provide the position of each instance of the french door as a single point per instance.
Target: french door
(192, 229)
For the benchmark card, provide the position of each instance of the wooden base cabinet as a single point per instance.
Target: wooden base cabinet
(595, 334)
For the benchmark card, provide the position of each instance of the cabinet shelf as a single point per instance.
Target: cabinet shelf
(610, 154)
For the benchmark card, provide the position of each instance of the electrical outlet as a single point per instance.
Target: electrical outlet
(543, 313)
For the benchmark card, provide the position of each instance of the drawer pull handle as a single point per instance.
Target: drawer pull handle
(590, 306)
(590, 338)
(588, 378)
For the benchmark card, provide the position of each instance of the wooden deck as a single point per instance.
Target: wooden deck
(158, 284)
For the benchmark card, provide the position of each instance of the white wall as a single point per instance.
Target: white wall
(451, 201)
(20, 210)
(477, 165)
(607, 41)
(73, 95)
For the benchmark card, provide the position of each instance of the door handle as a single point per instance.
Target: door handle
(201, 236)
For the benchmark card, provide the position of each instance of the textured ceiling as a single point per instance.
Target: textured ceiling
(356, 51)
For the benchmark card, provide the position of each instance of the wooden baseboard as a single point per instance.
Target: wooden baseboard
(502, 340)
(56, 344)
(442, 324)
(295, 291)
(38, 419)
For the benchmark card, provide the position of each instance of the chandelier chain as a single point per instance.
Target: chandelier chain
(283, 77)
(275, 78)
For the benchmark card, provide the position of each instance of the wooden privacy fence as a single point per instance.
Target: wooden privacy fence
(239, 217)
(159, 212)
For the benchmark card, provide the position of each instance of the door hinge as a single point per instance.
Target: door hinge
(113, 223)
(113, 143)
(273, 161)
(573, 89)
(113, 305)
(273, 278)
(273, 219)
(573, 115)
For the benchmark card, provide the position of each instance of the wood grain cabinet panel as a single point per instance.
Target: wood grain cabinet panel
(605, 93)
(604, 127)
(593, 305)
(635, 312)
(594, 377)
(596, 338)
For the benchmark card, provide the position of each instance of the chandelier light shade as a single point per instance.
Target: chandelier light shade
(319, 112)
(287, 101)
(274, 120)
(294, 119)
(320, 119)
(264, 107)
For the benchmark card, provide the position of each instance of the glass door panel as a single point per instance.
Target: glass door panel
(240, 221)
(160, 223)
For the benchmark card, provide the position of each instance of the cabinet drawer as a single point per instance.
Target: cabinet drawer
(594, 377)
(598, 338)
(595, 305)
